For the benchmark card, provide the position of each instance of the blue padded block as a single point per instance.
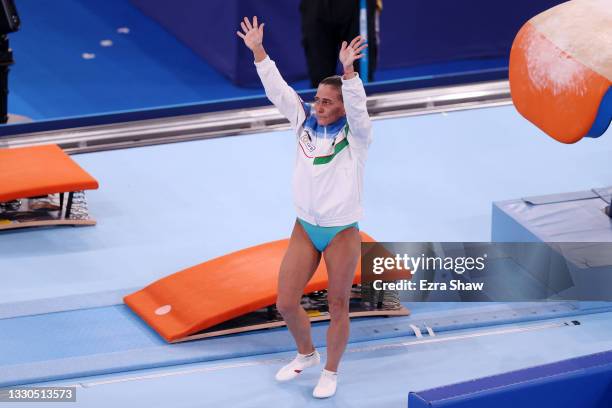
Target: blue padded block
(566, 217)
(584, 382)
(504, 228)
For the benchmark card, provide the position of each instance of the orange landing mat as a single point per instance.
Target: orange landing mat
(218, 290)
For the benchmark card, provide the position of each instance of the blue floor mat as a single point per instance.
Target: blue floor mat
(146, 67)
(113, 339)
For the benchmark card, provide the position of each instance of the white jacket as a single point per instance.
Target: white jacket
(330, 160)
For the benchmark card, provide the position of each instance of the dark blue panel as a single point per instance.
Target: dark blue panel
(209, 28)
(412, 32)
(421, 32)
(585, 389)
(584, 381)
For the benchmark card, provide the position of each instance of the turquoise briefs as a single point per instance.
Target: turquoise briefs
(322, 236)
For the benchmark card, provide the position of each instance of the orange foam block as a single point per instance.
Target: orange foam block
(40, 170)
(561, 68)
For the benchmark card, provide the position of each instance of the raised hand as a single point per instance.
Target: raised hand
(349, 53)
(252, 33)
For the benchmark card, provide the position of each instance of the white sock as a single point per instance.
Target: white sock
(297, 365)
(326, 387)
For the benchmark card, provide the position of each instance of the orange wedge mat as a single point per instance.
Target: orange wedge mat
(218, 290)
(40, 170)
(561, 68)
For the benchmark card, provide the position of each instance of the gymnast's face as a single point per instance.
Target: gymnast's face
(328, 104)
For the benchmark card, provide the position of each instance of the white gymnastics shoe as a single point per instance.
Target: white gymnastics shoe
(326, 387)
(299, 363)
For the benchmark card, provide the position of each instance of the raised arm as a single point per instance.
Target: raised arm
(277, 90)
(354, 95)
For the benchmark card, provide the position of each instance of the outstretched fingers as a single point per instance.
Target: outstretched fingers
(247, 26)
(355, 41)
(363, 47)
(248, 23)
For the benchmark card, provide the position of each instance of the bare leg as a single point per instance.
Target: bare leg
(299, 264)
(341, 257)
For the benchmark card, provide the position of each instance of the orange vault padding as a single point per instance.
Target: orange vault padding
(218, 290)
(561, 69)
(40, 170)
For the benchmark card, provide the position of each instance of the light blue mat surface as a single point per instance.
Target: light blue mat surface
(370, 376)
(113, 339)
